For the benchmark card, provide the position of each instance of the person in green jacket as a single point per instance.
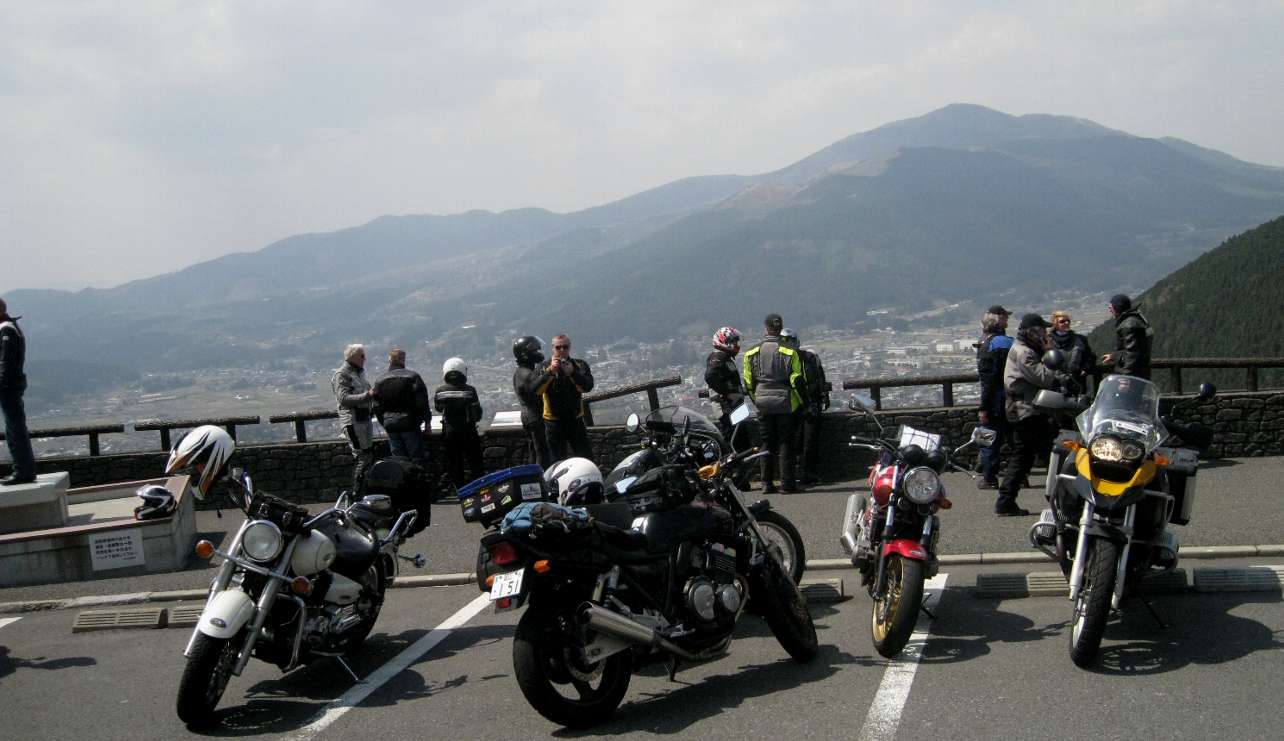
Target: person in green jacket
(774, 379)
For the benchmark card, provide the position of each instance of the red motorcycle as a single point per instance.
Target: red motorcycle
(891, 535)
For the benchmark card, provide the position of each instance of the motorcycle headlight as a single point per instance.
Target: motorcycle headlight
(1132, 451)
(921, 485)
(262, 541)
(1109, 449)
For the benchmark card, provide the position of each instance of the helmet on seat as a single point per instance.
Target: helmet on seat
(727, 339)
(207, 449)
(454, 365)
(157, 502)
(575, 481)
(528, 349)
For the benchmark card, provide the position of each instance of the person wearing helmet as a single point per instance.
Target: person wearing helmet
(206, 450)
(808, 435)
(773, 375)
(1024, 375)
(460, 412)
(566, 380)
(527, 382)
(356, 405)
(575, 482)
(157, 502)
(723, 377)
(403, 407)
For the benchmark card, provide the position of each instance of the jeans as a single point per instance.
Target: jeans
(408, 444)
(992, 457)
(16, 434)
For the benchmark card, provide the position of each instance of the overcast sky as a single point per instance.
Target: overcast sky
(140, 137)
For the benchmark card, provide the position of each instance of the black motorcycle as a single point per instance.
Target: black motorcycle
(662, 573)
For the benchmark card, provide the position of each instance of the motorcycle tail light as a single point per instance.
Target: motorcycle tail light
(502, 554)
(204, 549)
(504, 603)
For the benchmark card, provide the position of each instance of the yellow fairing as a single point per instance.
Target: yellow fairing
(1142, 476)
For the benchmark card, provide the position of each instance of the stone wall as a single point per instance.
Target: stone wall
(1245, 424)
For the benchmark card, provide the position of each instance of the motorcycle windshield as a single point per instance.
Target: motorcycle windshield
(675, 420)
(1125, 406)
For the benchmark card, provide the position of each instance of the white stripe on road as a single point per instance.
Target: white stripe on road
(885, 712)
(363, 689)
(8, 621)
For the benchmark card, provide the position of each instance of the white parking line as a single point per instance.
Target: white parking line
(395, 666)
(8, 621)
(885, 712)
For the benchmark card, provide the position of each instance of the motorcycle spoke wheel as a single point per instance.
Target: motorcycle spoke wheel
(1092, 605)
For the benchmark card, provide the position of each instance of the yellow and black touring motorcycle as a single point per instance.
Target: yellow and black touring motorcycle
(1112, 489)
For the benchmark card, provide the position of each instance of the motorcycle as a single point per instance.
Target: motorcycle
(891, 536)
(662, 573)
(292, 587)
(1112, 490)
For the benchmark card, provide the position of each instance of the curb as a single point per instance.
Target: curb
(460, 579)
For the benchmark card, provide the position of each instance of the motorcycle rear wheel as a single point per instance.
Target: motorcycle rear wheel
(1092, 606)
(893, 617)
(784, 607)
(785, 540)
(205, 677)
(542, 662)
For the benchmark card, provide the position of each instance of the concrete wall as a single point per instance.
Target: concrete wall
(1245, 424)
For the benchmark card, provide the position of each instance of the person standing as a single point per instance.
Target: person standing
(356, 403)
(403, 407)
(566, 381)
(1133, 339)
(991, 360)
(527, 382)
(460, 410)
(808, 433)
(1079, 356)
(773, 376)
(13, 384)
(723, 377)
(1024, 376)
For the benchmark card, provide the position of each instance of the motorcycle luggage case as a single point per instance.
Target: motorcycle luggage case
(1182, 466)
(407, 483)
(490, 497)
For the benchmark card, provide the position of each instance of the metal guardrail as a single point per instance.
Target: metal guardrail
(650, 387)
(301, 418)
(93, 431)
(165, 425)
(1251, 367)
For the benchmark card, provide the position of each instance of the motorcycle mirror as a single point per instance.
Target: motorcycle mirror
(984, 436)
(741, 413)
(1206, 391)
(1054, 359)
(633, 422)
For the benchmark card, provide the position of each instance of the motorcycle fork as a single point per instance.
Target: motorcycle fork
(1080, 550)
(274, 583)
(880, 579)
(221, 580)
(1130, 520)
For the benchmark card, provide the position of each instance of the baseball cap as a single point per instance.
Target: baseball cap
(996, 309)
(1030, 321)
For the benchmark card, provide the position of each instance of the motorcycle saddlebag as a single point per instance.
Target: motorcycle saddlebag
(407, 483)
(492, 496)
(1182, 466)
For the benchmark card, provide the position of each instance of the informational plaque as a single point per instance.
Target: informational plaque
(116, 550)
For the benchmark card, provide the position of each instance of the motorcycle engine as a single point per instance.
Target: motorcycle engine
(714, 591)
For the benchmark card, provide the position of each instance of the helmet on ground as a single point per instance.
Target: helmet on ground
(528, 349)
(575, 481)
(727, 339)
(789, 337)
(207, 449)
(454, 365)
(157, 502)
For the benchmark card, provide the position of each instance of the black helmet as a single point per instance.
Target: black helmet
(157, 502)
(528, 349)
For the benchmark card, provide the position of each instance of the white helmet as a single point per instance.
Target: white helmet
(575, 481)
(157, 502)
(454, 365)
(206, 448)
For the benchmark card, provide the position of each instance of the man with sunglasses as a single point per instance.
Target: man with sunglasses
(566, 381)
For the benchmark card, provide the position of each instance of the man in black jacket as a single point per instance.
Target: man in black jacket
(1133, 339)
(991, 359)
(527, 382)
(566, 381)
(13, 383)
(723, 377)
(817, 402)
(402, 407)
(460, 412)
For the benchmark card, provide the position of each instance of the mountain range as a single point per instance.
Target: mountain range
(963, 204)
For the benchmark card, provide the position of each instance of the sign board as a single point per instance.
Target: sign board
(116, 550)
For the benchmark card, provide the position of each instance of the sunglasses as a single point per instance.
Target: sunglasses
(561, 347)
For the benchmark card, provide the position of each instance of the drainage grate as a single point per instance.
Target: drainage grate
(823, 591)
(146, 617)
(1248, 579)
(184, 617)
(1003, 585)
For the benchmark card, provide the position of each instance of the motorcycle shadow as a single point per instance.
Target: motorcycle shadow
(297, 699)
(1201, 630)
(960, 633)
(675, 711)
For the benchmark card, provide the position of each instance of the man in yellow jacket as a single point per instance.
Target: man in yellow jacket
(774, 378)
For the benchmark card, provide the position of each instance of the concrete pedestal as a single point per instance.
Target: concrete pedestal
(40, 505)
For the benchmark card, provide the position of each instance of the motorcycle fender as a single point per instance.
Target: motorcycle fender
(226, 614)
(1107, 532)
(758, 507)
(905, 548)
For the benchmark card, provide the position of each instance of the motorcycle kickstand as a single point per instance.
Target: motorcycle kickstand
(673, 668)
(347, 669)
(1154, 614)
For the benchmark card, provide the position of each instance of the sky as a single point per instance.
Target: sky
(137, 138)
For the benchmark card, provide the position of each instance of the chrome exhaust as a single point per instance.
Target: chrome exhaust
(618, 626)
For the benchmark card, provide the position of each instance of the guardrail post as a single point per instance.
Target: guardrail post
(300, 430)
(164, 431)
(93, 443)
(876, 393)
(653, 397)
(1252, 379)
(588, 414)
(231, 431)
(1176, 378)
(947, 394)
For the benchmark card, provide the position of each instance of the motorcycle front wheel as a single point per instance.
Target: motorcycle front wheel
(784, 607)
(206, 676)
(1092, 606)
(556, 682)
(370, 604)
(893, 617)
(785, 541)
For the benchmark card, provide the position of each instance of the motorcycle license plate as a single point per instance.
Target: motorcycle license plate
(507, 585)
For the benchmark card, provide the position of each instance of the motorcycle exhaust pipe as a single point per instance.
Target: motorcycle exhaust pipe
(618, 626)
